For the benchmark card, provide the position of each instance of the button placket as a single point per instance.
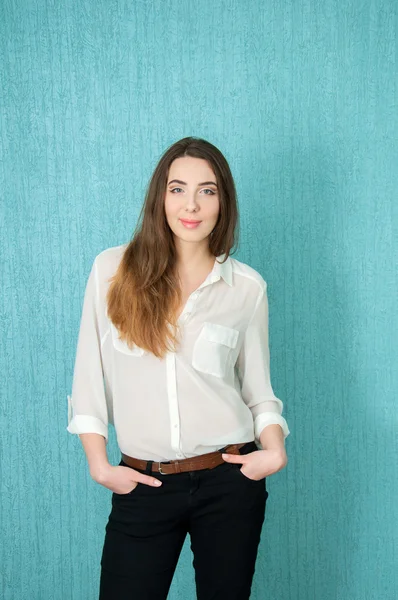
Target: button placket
(173, 403)
(171, 373)
(189, 306)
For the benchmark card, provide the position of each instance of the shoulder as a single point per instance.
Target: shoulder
(107, 261)
(247, 275)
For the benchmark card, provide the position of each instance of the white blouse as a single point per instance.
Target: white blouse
(215, 390)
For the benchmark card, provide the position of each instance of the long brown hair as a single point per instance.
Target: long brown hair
(144, 294)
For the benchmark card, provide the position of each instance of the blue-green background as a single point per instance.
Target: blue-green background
(301, 97)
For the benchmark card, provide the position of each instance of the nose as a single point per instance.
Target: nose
(191, 202)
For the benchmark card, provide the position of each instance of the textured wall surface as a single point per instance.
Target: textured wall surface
(302, 100)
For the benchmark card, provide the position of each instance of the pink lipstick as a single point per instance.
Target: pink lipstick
(190, 224)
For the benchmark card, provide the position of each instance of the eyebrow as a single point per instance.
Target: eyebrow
(185, 183)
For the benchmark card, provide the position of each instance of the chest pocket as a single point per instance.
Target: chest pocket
(122, 346)
(213, 347)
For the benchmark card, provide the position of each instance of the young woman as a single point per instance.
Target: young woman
(173, 351)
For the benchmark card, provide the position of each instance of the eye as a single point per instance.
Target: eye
(204, 190)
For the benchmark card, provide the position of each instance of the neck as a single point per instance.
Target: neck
(193, 259)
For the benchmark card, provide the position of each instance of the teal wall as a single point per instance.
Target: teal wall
(302, 99)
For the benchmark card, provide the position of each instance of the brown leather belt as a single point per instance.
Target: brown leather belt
(203, 461)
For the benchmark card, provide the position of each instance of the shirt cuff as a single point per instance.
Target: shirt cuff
(85, 423)
(269, 418)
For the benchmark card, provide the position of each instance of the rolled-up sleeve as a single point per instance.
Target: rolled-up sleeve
(254, 371)
(87, 406)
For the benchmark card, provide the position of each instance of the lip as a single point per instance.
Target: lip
(190, 224)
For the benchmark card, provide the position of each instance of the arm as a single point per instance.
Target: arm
(253, 364)
(272, 437)
(87, 407)
(94, 446)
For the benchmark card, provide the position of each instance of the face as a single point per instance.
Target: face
(191, 194)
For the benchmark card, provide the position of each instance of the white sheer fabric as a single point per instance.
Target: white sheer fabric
(214, 391)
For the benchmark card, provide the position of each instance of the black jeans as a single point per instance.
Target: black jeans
(221, 509)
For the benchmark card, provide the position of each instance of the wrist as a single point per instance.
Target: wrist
(100, 473)
(279, 455)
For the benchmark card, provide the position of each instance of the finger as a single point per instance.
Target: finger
(234, 458)
(146, 479)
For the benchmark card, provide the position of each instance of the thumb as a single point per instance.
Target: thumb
(233, 458)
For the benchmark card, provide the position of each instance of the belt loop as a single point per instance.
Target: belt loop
(148, 468)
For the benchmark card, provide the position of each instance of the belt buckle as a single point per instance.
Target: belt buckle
(160, 469)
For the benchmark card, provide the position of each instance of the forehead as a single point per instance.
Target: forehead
(192, 169)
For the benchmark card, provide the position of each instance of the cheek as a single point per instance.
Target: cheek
(169, 207)
(214, 210)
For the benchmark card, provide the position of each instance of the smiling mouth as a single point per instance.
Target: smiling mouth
(190, 224)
